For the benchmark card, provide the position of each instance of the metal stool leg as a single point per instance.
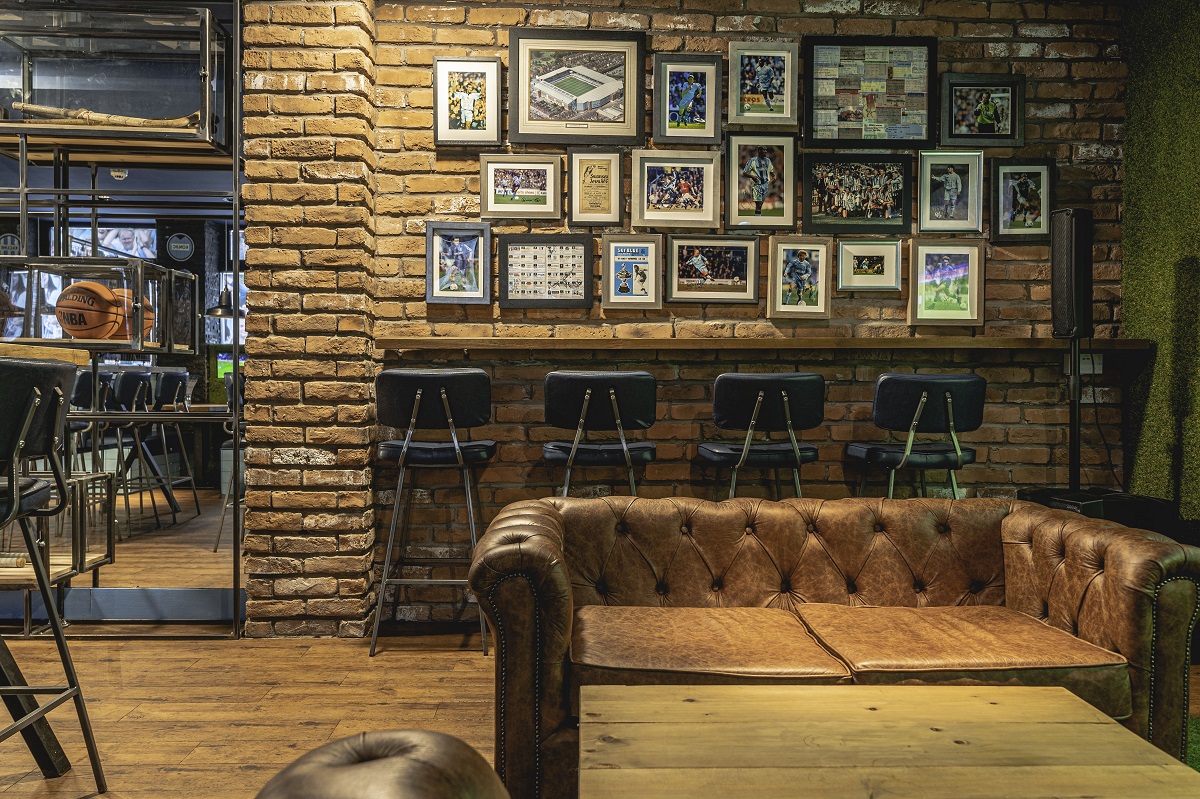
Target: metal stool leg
(862, 481)
(796, 480)
(387, 560)
(891, 482)
(921, 478)
(144, 467)
(953, 484)
(733, 483)
(225, 506)
(187, 463)
(471, 526)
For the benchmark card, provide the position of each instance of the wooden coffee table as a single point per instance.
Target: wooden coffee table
(933, 742)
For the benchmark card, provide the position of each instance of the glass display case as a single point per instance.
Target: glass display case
(183, 332)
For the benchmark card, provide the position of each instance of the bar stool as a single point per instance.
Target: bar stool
(168, 397)
(768, 403)
(589, 401)
(233, 494)
(132, 394)
(946, 404)
(81, 398)
(431, 399)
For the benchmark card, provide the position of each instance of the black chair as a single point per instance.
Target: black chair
(170, 396)
(133, 394)
(767, 403)
(81, 398)
(233, 496)
(946, 404)
(431, 399)
(606, 401)
(32, 422)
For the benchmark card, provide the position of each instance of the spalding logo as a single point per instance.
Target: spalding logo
(180, 246)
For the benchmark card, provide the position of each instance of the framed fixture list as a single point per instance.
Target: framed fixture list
(545, 271)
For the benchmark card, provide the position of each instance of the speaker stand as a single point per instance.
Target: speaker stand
(1075, 392)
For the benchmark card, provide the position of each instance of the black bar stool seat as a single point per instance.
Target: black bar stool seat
(767, 455)
(437, 453)
(34, 494)
(934, 455)
(559, 452)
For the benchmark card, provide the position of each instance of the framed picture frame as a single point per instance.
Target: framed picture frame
(868, 265)
(576, 86)
(631, 271)
(763, 89)
(466, 101)
(850, 194)
(946, 282)
(595, 194)
(799, 276)
(676, 188)
(713, 269)
(983, 110)
(761, 181)
(876, 92)
(1022, 199)
(687, 98)
(545, 270)
(520, 186)
(458, 263)
(951, 191)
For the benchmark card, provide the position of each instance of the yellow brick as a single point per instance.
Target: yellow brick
(443, 14)
(403, 33)
(270, 35)
(301, 59)
(302, 14)
(464, 36)
(406, 118)
(497, 16)
(355, 38)
(434, 183)
(284, 104)
(405, 77)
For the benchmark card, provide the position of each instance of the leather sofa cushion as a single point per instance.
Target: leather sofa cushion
(968, 645)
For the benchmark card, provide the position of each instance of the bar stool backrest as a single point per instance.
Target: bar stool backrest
(81, 397)
(241, 394)
(133, 389)
(897, 397)
(469, 392)
(735, 396)
(20, 376)
(171, 389)
(636, 399)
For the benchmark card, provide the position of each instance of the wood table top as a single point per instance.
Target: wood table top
(852, 741)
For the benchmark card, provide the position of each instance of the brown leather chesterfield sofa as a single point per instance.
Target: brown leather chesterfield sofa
(870, 591)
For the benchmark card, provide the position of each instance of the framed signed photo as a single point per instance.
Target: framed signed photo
(687, 98)
(761, 182)
(466, 101)
(712, 269)
(576, 86)
(1022, 199)
(520, 186)
(594, 188)
(631, 271)
(458, 263)
(983, 110)
(951, 191)
(799, 271)
(545, 270)
(762, 83)
(852, 194)
(870, 92)
(868, 265)
(676, 188)
(946, 283)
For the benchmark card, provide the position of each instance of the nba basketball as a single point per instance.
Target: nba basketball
(88, 310)
(124, 327)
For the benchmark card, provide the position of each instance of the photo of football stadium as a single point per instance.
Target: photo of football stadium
(572, 85)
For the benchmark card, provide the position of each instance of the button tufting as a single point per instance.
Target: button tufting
(716, 586)
(851, 588)
(943, 528)
(812, 528)
(749, 531)
(661, 589)
(918, 586)
(976, 586)
(879, 528)
(785, 587)
(685, 529)
(622, 527)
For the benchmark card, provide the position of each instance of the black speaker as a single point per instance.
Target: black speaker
(1071, 272)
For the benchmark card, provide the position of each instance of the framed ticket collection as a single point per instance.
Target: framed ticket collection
(545, 271)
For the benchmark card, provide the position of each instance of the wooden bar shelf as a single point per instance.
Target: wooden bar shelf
(502, 344)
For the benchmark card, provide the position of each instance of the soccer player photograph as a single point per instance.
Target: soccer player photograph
(466, 106)
(688, 97)
(951, 188)
(761, 172)
(986, 114)
(764, 81)
(700, 264)
(797, 276)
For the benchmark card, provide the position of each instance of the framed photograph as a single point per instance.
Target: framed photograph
(687, 98)
(870, 92)
(631, 271)
(761, 182)
(762, 83)
(946, 283)
(851, 194)
(594, 188)
(983, 110)
(576, 86)
(545, 270)
(458, 263)
(676, 188)
(799, 271)
(466, 101)
(951, 191)
(868, 265)
(520, 186)
(712, 269)
(1022, 199)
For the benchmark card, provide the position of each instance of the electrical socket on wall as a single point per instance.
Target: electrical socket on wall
(1089, 364)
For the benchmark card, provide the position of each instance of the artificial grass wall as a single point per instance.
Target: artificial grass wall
(1161, 243)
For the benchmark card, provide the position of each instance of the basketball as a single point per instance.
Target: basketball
(123, 330)
(88, 310)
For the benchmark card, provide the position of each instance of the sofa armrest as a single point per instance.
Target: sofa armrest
(1129, 591)
(520, 580)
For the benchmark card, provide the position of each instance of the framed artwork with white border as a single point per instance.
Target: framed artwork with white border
(762, 84)
(520, 186)
(1022, 199)
(761, 181)
(869, 265)
(631, 271)
(594, 187)
(713, 269)
(946, 282)
(458, 263)
(983, 110)
(466, 101)
(856, 193)
(799, 276)
(951, 191)
(545, 270)
(676, 188)
(687, 98)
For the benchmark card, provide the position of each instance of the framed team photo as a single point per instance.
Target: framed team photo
(687, 98)
(676, 188)
(946, 282)
(458, 263)
(762, 83)
(1022, 199)
(520, 186)
(868, 265)
(466, 101)
(631, 271)
(712, 269)
(761, 182)
(853, 194)
(799, 274)
(545, 270)
(983, 110)
(594, 187)
(951, 191)
(576, 86)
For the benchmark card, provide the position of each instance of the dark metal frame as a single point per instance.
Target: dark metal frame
(584, 242)
(734, 221)
(750, 296)
(582, 428)
(490, 65)
(895, 227)
(483, 254)
(787, 412)
(616, 186)
(715, 109)
(1015, 83)
(908, 446)
(997, 202)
